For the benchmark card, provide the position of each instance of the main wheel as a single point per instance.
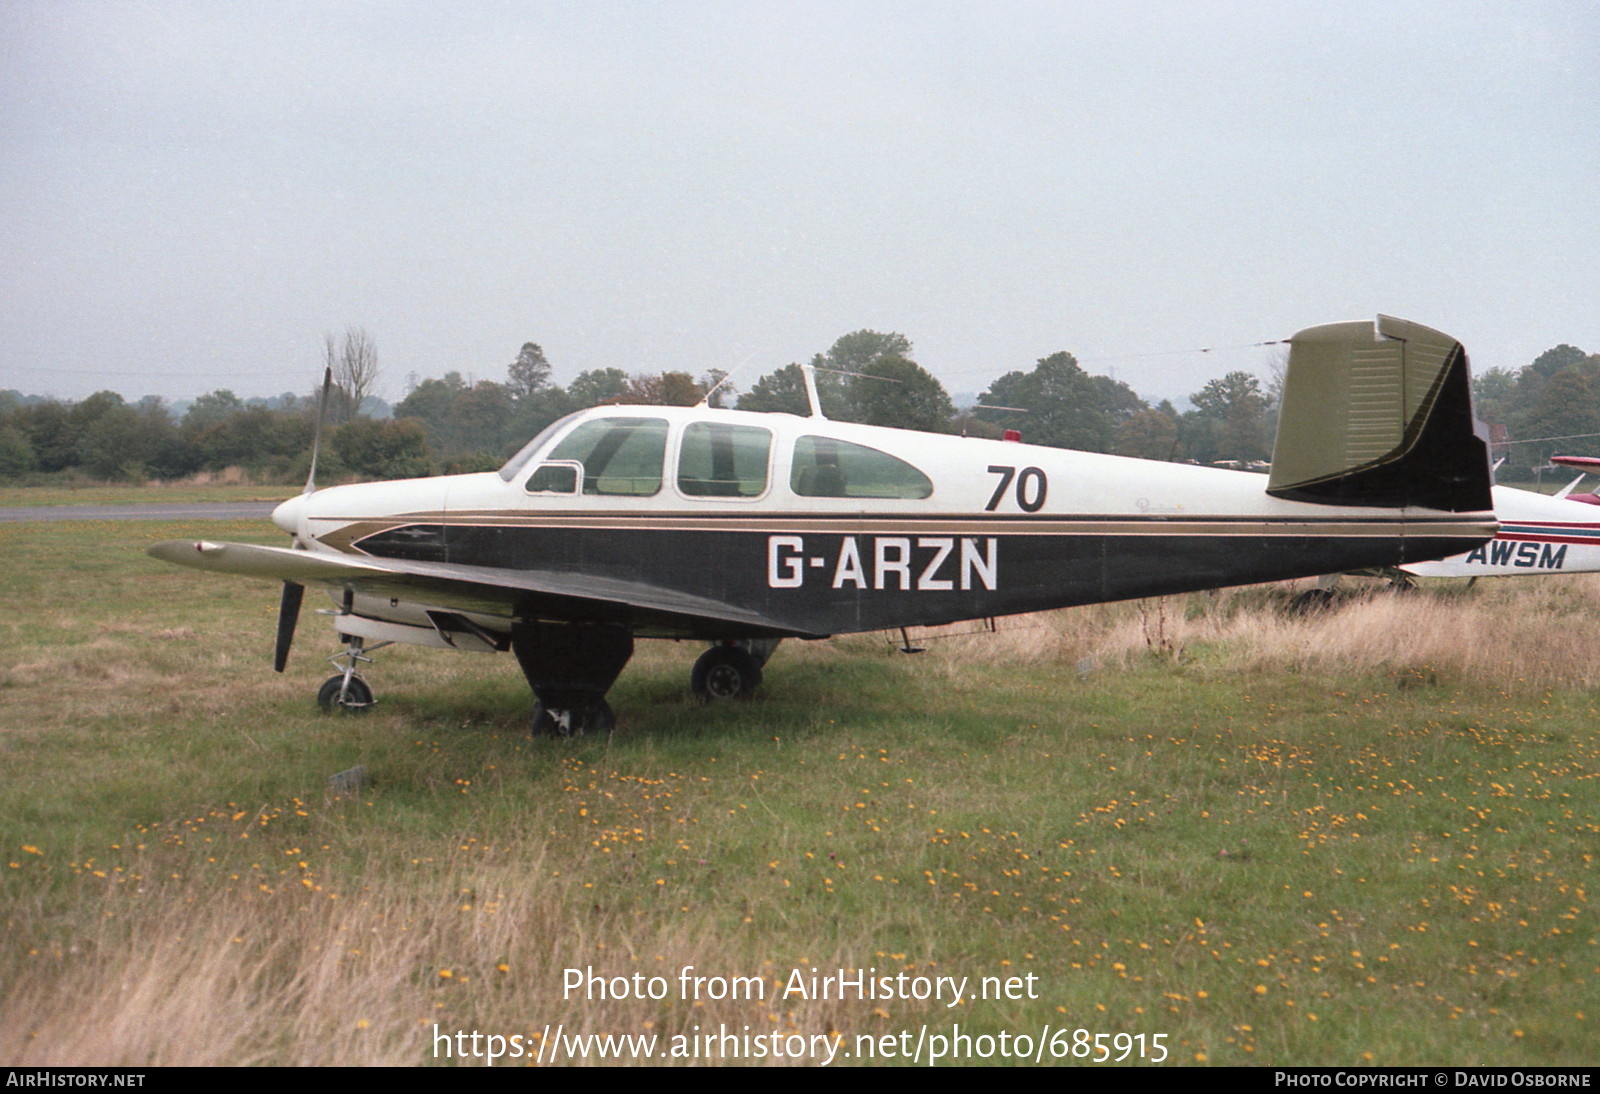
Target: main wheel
(573, 722)
(601, 719)
(1311, 602)
(725, 672)
(354, 699)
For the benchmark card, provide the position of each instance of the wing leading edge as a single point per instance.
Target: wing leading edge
(490, 590)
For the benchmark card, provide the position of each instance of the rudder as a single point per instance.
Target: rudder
(1379, 414)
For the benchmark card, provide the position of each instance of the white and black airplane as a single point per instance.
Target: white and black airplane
(741, 529)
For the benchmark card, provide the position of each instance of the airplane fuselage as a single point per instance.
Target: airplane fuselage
(770, 524)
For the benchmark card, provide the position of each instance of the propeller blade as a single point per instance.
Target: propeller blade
(316, 437)
(288, 615)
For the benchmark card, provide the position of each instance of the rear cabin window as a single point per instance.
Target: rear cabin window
(621, 457)
(828, 468)
(717, 460)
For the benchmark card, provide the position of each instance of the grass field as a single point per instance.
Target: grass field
(1197, 823)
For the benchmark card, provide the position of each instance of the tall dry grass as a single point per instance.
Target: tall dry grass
(1511, 634)
(183, 973)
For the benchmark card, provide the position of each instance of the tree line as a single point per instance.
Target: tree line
(453, 424)
(1549, 407)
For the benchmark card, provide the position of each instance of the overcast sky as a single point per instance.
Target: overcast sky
(195, 193)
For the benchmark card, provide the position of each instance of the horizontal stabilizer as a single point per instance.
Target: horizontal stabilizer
(1379, 414)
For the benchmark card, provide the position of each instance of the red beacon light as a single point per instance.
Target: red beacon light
(1014, 435)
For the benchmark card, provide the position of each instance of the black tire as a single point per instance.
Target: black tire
(547, 724)
(333, 695)
(1311, 602)
(725, 672)
(599, 718)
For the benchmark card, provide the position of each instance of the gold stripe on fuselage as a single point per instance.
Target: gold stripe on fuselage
(344, 537)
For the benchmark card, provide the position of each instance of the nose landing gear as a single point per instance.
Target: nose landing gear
(346, 692)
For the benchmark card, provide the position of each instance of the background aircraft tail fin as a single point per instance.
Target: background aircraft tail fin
(1379, 414)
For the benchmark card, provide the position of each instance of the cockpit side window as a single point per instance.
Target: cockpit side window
(526, 452)
(620, 456)
(825, 467)
(717, 460)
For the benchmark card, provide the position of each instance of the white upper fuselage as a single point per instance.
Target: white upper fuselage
(958, 470)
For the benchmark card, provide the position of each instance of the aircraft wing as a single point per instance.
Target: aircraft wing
(1587, 465)
(490, 590)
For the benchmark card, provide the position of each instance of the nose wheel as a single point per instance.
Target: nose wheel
(347, 696)
(346, 692)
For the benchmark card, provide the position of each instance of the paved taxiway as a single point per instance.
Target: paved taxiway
(231, 510)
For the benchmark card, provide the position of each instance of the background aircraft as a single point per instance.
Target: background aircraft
(741, 529)
(1539, 534)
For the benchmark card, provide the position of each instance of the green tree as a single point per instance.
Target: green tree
(1565, 405)
(715, 392)
(895, 391)
(114, 446)
(479, 419)
(432, 402)
(855, 352)
(1229, 420)
(1557, 359)
(1148, 435)
(50, 434)
(383, 449)
(114, 440)
(599, 386)
(529, 373)
(212, 408)
(1061, 405)
(16, 452)
(784, 391)
(1493, 393)
(1116, 398)
(533, 412)
(252, 437)
(663, 389)
(1550, 397)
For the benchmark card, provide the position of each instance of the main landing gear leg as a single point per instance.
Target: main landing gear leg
(348, 693)
(570, 667)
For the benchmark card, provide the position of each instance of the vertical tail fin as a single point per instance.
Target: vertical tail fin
(1379, 414)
